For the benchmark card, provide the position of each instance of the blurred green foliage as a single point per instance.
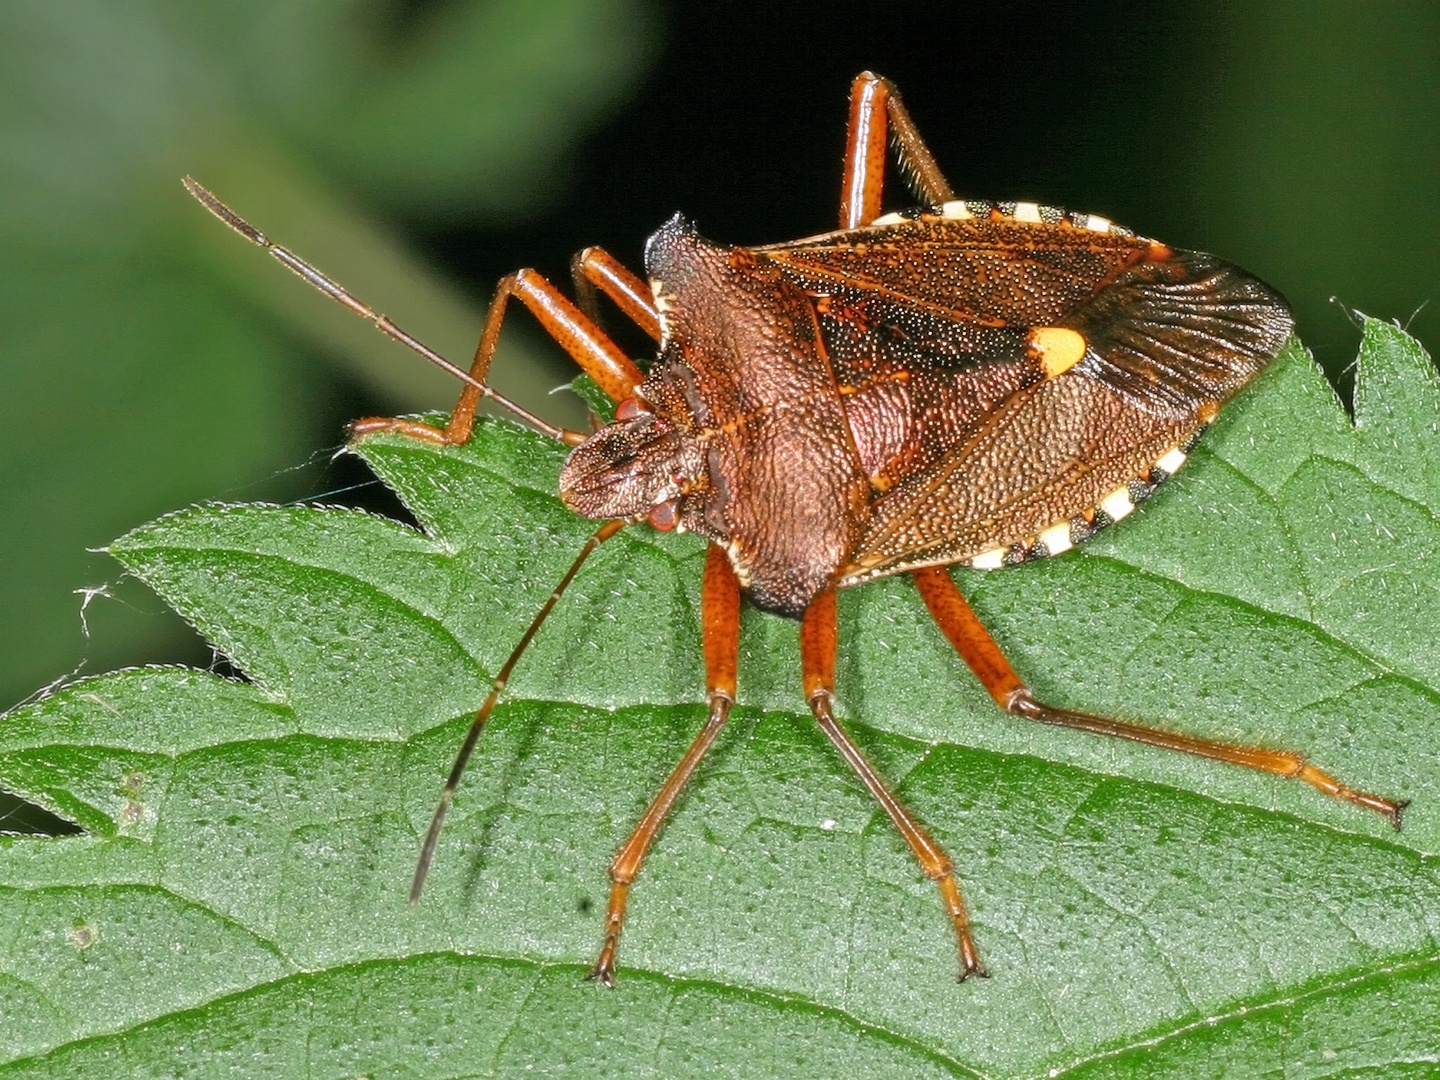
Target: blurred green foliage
(1317, 162)
(149, 358)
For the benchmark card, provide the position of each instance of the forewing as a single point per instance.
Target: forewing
(1169, 329)
(1049, 456)
(973, 444)
(988, 272)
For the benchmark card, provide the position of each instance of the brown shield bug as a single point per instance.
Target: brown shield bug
(969, 383)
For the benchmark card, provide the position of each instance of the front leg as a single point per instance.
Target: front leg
(817, 662)
(720, 616)
(597, 355)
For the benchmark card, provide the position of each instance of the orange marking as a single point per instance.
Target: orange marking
(1055, 348)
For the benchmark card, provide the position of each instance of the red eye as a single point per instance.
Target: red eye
(664, 516)
(628, 409)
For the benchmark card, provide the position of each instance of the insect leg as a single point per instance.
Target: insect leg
(876, 116)
(597, 267)
(817, 661)
(720, 608)
(457, 770)
(978, 649)
(597, 355)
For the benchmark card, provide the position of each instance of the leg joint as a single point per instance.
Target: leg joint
(821, 700)
(941, 868)
(1021, 702)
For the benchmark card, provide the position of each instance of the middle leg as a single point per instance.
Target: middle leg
(817, 661)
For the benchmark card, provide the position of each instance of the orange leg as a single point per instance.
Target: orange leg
(876, 113)
(978, 649)
(720, 616)
(597, 355)
(817, 662)
(595, 267)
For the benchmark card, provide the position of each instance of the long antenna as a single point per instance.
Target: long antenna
(338, 292)
(447, 794)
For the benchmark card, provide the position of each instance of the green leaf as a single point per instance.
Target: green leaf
(150, 358)
(238, 903)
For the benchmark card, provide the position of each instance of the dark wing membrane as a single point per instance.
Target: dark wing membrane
(1174, 334)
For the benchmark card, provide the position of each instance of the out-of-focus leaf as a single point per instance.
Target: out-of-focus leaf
(1313, 161)
(150, 358)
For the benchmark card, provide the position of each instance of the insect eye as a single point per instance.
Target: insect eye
(628, 409)
(664, 516)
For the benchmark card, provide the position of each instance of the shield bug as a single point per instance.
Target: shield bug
(970, 383)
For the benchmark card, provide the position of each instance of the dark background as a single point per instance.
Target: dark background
(420, 150)
(1296, 139)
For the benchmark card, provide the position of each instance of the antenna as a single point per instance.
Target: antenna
(457, 770)
(339, 293)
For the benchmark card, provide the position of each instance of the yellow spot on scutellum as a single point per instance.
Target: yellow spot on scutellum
(1057, 348)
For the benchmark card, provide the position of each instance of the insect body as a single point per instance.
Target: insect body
(855, 405)
(966, 383)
